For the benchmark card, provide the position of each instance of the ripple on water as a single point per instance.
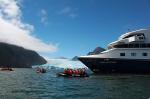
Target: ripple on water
(27, 84)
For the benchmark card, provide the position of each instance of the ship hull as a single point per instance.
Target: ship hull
(113, 65)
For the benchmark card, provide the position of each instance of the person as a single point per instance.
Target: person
(74, 71)
(81, 71)
(43, 70)
(65, 71)
(70, 72)
(40, 70)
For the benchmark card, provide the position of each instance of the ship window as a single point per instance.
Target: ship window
(136, 46)
(143, 45)
(122, 54)
(131, 46)
(136, 34)
(133, 54)
(144, 54)
(141, 38)
(148, 45)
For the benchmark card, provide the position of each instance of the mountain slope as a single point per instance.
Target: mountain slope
(97, 50)
(15, 56)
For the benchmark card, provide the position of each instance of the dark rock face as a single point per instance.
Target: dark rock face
(75, 58)
(97, 50)
(18, 57)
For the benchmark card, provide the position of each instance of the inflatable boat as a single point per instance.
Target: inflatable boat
(73, 75)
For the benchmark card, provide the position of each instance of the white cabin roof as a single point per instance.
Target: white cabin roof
(144, 31)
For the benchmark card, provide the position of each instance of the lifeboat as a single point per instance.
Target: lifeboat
(6, 69)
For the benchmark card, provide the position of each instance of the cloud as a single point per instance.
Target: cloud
(14, 31)
(68, 11)
(44, 16)
(73, 15)
(65, 10)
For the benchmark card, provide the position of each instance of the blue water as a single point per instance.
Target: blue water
(27, 84)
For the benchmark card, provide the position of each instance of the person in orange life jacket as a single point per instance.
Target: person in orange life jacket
(80, 71)
(65, 71)
(70, 71)
(74, 71)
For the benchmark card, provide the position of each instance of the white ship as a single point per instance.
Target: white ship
(129, 54)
